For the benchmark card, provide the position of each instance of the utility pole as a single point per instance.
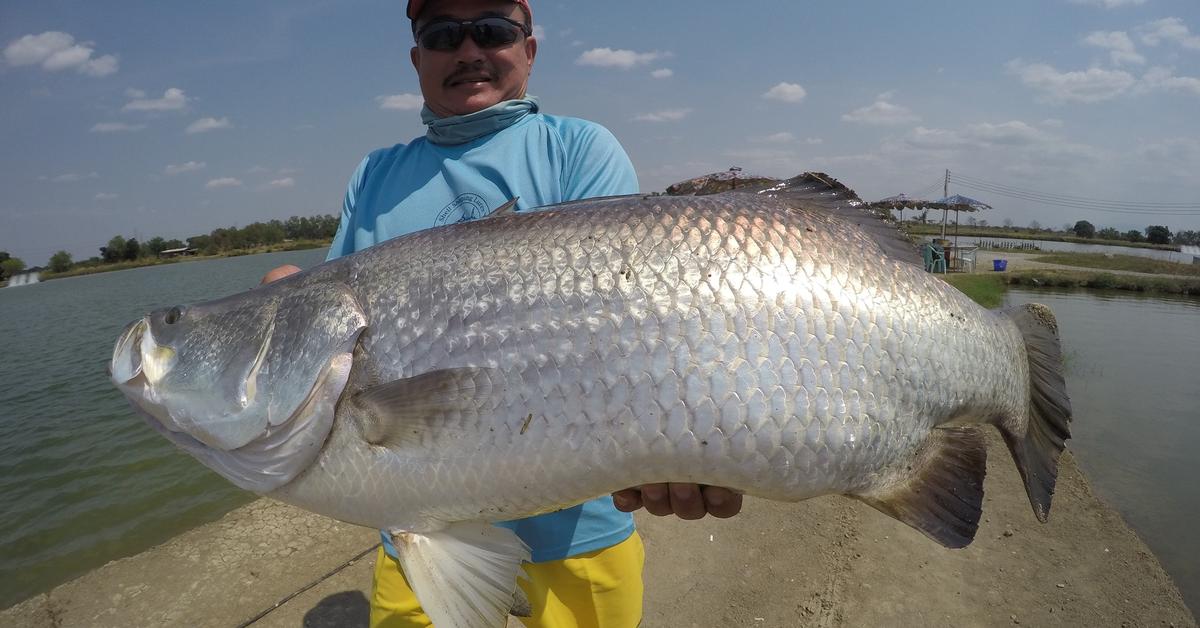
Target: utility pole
(945, 194)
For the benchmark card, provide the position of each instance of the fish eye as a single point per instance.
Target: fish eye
(173, 315)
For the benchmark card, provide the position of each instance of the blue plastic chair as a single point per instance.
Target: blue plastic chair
(935, 258)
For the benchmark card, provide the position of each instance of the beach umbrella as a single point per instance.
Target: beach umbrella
(903, 202)
(959, 203)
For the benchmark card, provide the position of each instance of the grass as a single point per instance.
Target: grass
(986, 290)
(1120, 262)
(1000, 232)
(297, 245)
(1103, 281)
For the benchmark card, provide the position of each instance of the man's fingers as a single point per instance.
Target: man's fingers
(722, 502)
(627, 500)
(687, 501)
(276, 274)
(657, 499)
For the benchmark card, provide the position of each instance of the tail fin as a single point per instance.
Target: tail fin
(1037, 444)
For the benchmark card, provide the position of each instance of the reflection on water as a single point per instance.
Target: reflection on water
(82, 480)
(1133, 372)
(1073, 247)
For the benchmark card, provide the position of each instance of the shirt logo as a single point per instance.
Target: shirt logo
(467, 207)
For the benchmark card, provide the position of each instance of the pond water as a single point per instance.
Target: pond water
(1133, 373)
(83, 481)
(1071, 247)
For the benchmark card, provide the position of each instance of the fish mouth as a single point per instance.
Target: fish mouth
(137, 354)
(126, 362)
(138, 362)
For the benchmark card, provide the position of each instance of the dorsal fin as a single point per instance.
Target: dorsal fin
(821, 192)
(508, 208)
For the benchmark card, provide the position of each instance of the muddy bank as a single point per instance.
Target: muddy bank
(825, 562)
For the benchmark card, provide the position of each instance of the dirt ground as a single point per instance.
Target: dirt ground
(824, 562)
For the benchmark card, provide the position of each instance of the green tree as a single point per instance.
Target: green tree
(60, 262)
(154, 246)
(1084, 229)
(1133, 235)
(1158, 234)
(132, 249)
(114, 251)
(173, 243)
(1108, 233)
(11, 266)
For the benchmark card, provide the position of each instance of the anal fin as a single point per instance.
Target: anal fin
(465, 575)
(940, 493)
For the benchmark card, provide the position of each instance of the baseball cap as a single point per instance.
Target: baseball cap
(415, 6)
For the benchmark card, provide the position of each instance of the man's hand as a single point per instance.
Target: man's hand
(687, 501)
(279, 273)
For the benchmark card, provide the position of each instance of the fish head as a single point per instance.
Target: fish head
(248, 383)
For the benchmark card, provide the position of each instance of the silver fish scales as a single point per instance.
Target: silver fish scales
(529, 361)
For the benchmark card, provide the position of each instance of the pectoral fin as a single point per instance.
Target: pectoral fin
(402, 411)
(465, 575)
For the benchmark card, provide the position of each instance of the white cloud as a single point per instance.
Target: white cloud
(1177, 157)
(203, 125)
(115, 127)
(279, 184)
(1164, 78)
(881, 113)
(134, 93)
(663, 73)
(172, 99)
(1013, 141)
(105, 196)
(1053, 123)
(70, 177)
(1171, 29)
(1109, 4)
(1012, 133)
(539, 31)
(782, 137)
(1118, 44)
(190, 166)
(223, 182)
(665, 115)
(623, 59)
(813, 141)
(56, 51)
(786, 92)
(400, 102)
(1091, 85)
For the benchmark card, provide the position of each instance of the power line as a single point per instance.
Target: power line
(926, 190)
(976, 180)
(1141, 212)
(1078, 202)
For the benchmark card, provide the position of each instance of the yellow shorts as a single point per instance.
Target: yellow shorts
(600, 589)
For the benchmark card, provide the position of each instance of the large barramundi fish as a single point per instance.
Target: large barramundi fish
(784, 343)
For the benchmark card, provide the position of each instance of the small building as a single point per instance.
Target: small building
(180, 252)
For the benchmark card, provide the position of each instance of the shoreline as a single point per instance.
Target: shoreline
(828, 561)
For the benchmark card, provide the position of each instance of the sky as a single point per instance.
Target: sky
(145, 118)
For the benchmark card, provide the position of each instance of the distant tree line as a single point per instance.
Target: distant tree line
(121, 249)
(1154, 234)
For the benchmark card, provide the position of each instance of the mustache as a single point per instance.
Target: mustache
(471, 69)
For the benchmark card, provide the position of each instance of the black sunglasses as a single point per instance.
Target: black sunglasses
(488, 32)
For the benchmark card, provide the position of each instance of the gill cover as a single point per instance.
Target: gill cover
(255, 379)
